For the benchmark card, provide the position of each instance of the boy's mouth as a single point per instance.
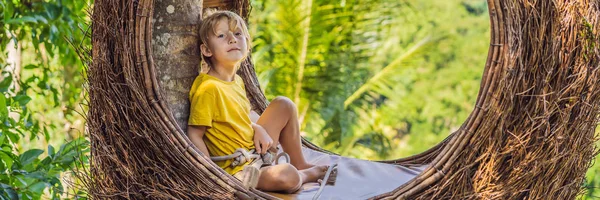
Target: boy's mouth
(234, 49)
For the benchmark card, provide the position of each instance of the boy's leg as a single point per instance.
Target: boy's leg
(287, 178)
(280, 120)
(279, 178)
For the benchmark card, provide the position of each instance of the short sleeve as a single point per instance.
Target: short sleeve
(241, 82)
(202, 109)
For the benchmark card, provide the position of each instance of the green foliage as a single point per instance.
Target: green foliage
(374, 76)
(27, 175)
(592, 183)
(41, 86)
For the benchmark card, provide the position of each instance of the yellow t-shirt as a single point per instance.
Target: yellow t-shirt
(222, 107)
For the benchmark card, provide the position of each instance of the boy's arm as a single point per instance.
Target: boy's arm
(195, 133)
(254, 118)
(262, 140)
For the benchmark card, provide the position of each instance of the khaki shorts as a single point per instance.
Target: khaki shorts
(257, 162)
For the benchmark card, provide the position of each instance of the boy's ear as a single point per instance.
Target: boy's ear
(205, 50)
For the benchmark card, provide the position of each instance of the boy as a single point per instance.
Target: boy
(221, 120)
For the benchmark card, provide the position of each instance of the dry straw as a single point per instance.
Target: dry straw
(530, 136)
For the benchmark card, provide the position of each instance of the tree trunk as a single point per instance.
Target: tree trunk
(176, 52)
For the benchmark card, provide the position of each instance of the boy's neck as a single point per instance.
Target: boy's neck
(225, 73)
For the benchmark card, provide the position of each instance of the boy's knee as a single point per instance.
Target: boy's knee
(284, 101)
(291, 177)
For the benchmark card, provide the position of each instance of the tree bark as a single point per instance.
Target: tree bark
(176, 52)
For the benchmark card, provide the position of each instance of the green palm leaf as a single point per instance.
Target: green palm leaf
(379, 80)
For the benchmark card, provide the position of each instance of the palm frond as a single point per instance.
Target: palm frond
(379, 78)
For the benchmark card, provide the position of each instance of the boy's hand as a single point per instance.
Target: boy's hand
(262, 140)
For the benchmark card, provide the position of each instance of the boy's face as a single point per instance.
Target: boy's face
(228, 46)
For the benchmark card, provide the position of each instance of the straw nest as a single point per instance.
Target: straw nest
(530, 136)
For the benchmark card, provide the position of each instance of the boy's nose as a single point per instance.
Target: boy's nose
(232, 40)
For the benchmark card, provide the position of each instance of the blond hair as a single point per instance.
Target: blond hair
(209, 23)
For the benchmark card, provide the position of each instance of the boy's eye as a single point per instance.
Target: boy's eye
(221, 35)
(238, 34)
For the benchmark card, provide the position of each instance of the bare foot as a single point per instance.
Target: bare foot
(313, 173)
(304, 166)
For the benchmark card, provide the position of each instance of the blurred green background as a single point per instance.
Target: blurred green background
(372, 79)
